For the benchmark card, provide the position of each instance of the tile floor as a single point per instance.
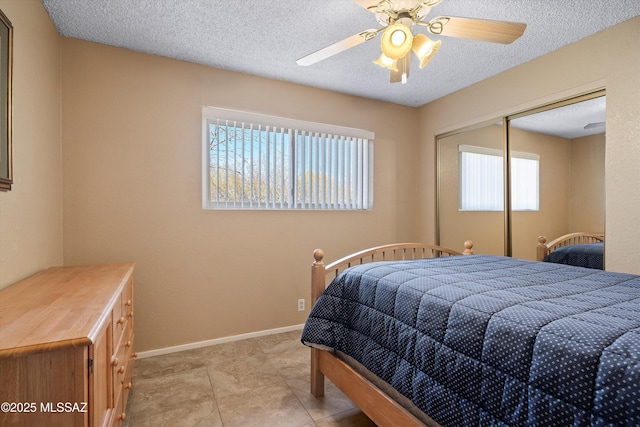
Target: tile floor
(255, 382)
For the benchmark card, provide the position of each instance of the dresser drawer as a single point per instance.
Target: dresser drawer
(119, 319)
(121, 365)
(127, 299)
(127, 384)
(119, 414)
(122, 311)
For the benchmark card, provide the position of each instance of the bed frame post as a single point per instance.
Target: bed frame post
(542, 248)
(318, 284)
(468, 248)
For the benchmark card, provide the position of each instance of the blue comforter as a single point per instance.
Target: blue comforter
(492, 341)
(590, 255)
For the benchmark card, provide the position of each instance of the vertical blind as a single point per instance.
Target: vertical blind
(258, 166)
(525, 182)
(332, 171)
(482, 181)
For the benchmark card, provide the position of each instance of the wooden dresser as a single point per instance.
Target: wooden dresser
(66, 347)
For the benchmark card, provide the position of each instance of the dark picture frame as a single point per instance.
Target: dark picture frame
(6, 71)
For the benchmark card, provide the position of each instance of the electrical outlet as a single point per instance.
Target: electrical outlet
(301, 304)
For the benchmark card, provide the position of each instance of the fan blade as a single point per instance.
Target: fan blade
(367, 4)
(477, 29)
(336, 48)
(404, 65)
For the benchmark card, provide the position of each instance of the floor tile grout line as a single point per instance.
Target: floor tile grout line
(313, 420)
(215, 399)
(284, 380)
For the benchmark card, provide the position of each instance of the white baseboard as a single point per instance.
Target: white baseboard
(215, 341)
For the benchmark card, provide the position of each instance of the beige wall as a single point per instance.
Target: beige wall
(563, 73)
(587, 193)
(132, 191)
(31, 213)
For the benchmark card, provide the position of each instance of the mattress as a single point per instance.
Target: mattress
(485, 340)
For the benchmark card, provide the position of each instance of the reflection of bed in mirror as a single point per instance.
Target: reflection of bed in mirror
(475, 340)
(579, 249)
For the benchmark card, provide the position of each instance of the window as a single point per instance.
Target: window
(482, 182)
(253, 161)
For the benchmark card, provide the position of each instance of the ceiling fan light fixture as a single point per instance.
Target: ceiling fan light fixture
(396, 41)
(398, 37)
(386, 62)
(425, 48)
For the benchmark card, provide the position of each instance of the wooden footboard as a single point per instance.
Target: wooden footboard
(379, 407)
(382, 410)
(543, 249)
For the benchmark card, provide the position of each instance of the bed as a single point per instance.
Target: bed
(476, 340)
(579, 249)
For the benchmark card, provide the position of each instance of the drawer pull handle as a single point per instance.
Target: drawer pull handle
(122, 416)
(128, 386)
(134, 355)
(122, 369)
(130, 314)
(128, 344)
(114, 362)
(128, 303)
(121, 320)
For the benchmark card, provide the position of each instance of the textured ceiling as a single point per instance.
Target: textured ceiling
(266, 38)
(571, 121)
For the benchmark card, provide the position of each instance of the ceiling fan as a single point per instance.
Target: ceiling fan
(398, 17)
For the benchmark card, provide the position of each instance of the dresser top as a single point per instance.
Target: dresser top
(59, 307)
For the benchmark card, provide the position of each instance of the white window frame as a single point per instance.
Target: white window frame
(313, 150)
(518, 186)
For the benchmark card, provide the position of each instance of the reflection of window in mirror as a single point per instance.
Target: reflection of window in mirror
(482, 182)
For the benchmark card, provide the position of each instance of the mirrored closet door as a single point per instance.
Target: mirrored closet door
(569, 141)
(470, 188)
(554, 158)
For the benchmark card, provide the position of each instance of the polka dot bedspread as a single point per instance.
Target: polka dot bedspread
(589, 255)
(492, 341)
